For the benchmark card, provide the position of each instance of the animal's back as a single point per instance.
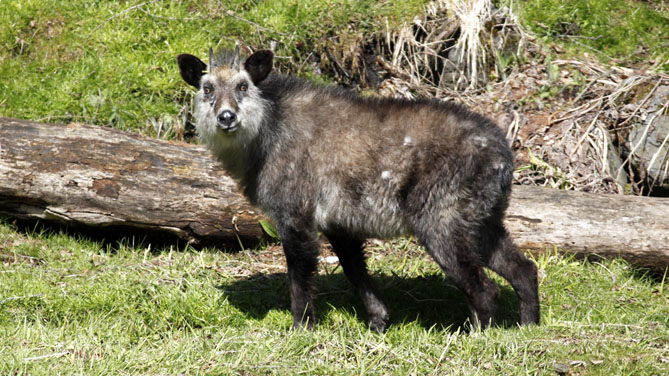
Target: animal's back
(356, 160)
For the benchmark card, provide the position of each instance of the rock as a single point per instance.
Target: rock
(648, 143)
(561, 368)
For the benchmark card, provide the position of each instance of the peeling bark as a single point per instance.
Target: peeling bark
(101, 178)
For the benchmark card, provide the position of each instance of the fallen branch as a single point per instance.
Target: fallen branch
(5, 300)
(632, 227)
(56, 355)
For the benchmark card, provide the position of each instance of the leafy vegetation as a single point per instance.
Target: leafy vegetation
(70, 305)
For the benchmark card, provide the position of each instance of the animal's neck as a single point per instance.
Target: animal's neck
(242, 162)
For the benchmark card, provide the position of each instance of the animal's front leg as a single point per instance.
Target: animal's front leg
(301, 248)
(352, 259)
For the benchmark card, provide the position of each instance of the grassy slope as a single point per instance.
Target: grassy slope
(70, 305)
(113, 63)
(627, 33)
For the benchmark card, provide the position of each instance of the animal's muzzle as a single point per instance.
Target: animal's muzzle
(227, 120)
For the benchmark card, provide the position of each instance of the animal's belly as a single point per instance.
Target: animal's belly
(368, 217)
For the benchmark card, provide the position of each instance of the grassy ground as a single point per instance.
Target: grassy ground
(69, 305)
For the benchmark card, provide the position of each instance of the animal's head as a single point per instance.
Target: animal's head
(228, 105)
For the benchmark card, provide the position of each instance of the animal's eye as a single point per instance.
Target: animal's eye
(243, 86)
(207, 90)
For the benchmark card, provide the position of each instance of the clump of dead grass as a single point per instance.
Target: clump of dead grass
(456, 44)
(585, 144)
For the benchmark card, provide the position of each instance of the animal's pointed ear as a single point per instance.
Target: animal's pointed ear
(259, 65)
(191, 68)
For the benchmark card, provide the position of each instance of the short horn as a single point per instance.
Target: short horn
(212, 62)
(236, 60)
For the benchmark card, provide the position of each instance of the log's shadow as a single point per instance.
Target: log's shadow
(429, 301)
(113, 237)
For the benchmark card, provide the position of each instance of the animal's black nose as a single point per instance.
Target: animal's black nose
(226, 118)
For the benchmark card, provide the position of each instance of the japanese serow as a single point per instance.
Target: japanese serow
(317, 158)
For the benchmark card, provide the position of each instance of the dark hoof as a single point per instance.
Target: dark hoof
(378, 324)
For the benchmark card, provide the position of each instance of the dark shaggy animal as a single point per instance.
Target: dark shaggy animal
(324, 159)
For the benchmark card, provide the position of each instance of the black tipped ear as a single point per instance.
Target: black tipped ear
(192, 69)
(259, 65)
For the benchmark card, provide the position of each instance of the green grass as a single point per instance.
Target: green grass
(113, 63)
(69, 305)
(629, 32)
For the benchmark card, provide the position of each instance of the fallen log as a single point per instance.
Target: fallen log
(94, 177)
(105, 179)
(585, 224)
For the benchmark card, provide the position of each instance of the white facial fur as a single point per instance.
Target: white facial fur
(250, 112)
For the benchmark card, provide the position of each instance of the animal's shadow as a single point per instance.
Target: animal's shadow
(429, 301)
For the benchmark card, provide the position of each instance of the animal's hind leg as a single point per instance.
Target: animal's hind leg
(352, 259)
(454, 250)
(507, 261)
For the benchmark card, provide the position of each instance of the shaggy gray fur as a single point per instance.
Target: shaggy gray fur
(324, 159)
